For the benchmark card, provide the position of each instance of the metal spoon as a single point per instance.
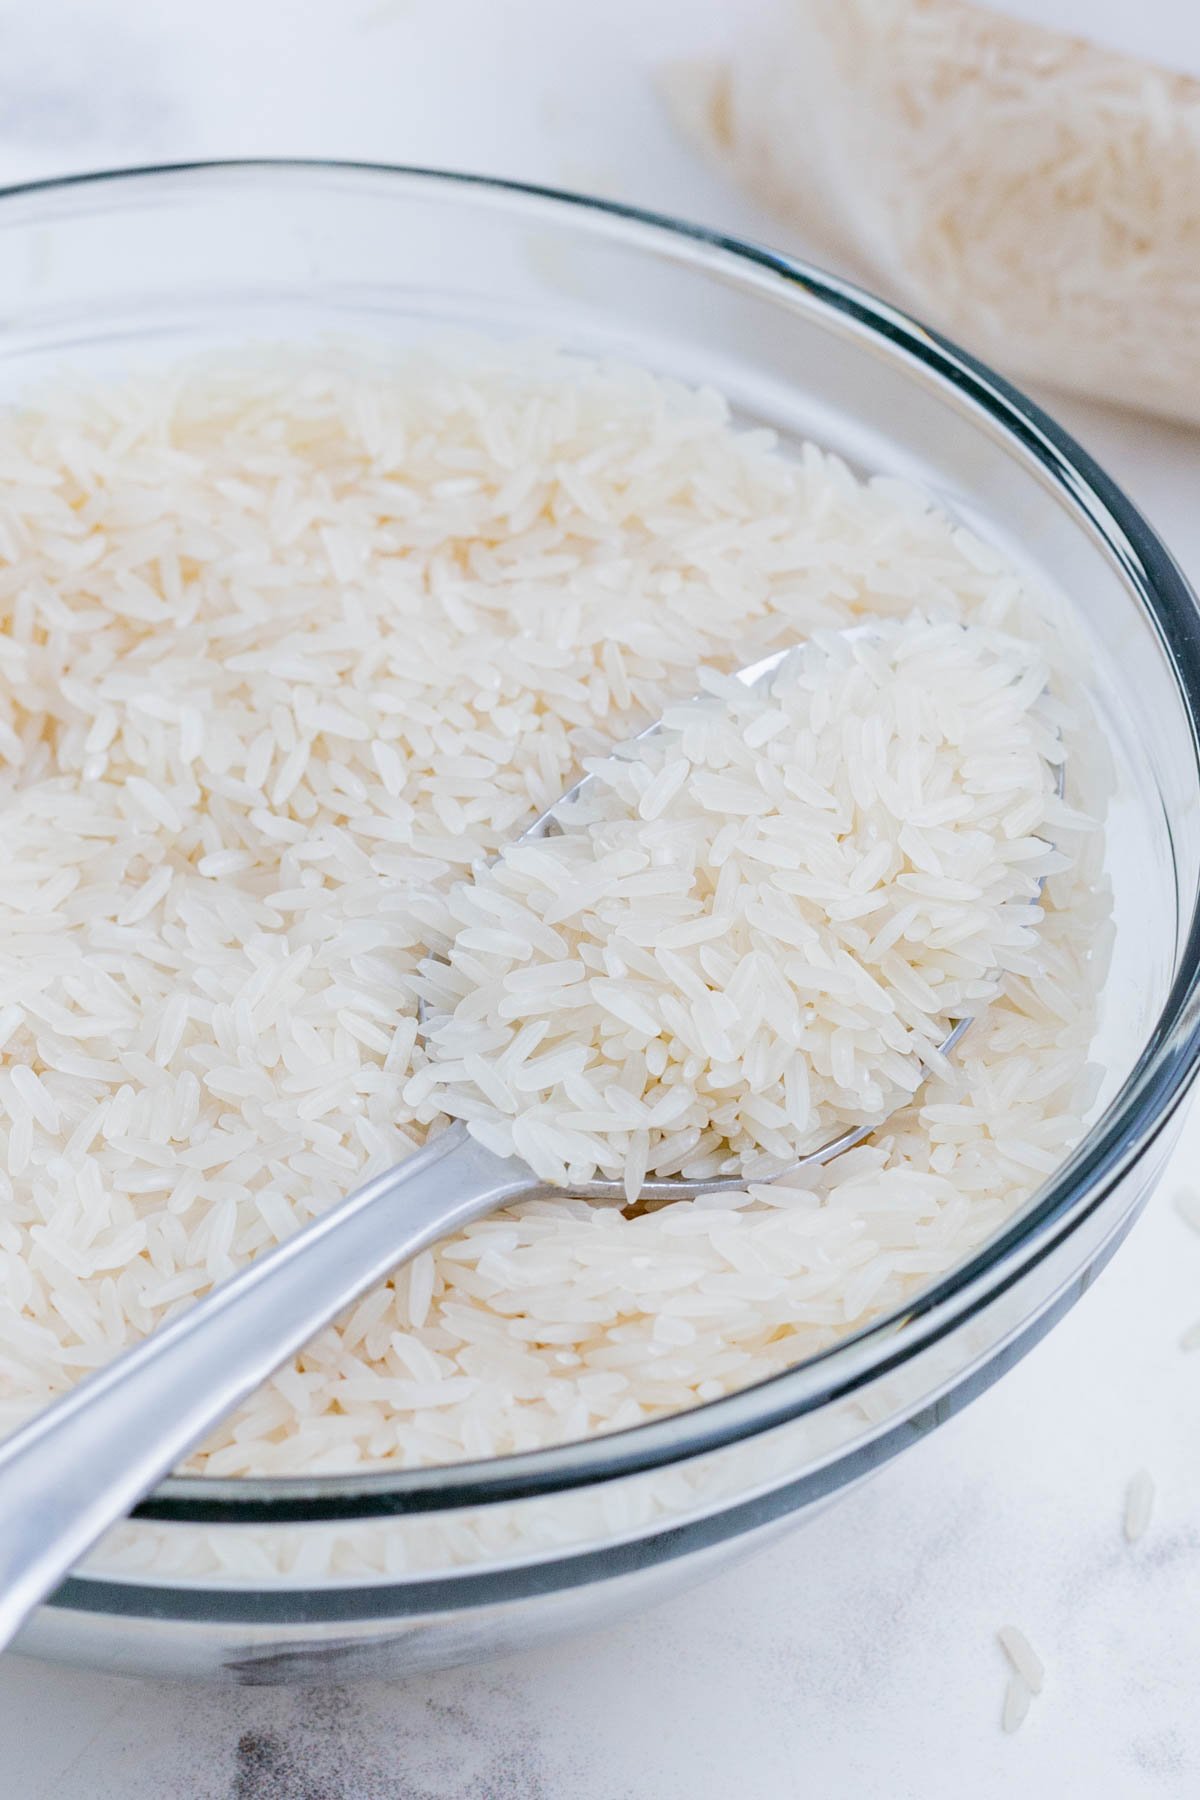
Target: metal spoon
(84, 1462)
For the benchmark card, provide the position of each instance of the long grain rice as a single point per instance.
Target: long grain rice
(731, 1007)
(289, 649)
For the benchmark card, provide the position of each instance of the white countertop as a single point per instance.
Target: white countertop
(859, 1659)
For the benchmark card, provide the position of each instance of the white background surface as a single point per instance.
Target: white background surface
(859, 1659)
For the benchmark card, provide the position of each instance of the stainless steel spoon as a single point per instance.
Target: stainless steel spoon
(85, 1461)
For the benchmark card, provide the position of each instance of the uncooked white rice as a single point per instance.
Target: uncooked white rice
(290, 648)
(753, 933)
(1016, 1703)
(1024, 1658)
(1139, 1504)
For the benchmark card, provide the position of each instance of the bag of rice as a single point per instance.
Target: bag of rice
(1034, 194)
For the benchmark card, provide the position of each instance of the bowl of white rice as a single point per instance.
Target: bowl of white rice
(347, 515)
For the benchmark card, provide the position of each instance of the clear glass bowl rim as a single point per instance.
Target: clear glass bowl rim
(1130, 1125)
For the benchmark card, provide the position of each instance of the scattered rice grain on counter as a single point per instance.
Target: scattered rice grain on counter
(1024, 1658)
(1016, 1703)
(289, 648)
(1139, 1504)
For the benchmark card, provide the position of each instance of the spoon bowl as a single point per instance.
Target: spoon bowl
(662, 1190)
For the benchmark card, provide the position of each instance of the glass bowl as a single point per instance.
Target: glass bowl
(442, 1565)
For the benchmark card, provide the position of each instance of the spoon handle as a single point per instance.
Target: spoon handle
(81, 1464)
